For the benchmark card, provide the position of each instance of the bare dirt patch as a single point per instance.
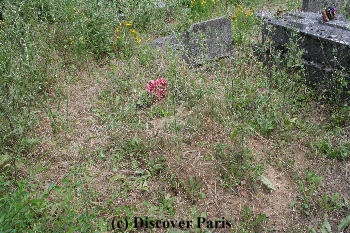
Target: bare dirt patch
(275, 203)
(79, 130)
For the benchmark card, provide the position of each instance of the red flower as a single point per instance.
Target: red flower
(158, 87)
(162, 93)
(162, 82)
(152, 86)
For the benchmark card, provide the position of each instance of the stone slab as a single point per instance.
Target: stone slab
(323, 78)
(317, 5)
(166, 41)
(322, 42)
(207, 41)
(202, 42)
(326, 45)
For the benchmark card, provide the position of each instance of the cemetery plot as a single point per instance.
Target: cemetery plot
(104, 121)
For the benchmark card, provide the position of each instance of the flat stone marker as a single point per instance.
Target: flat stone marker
(317, 5)
(204, 41)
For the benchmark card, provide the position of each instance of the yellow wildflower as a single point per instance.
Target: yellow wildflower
(128, 23)
(213, 1)
(138, 40)
(203, 2)
(133, 31)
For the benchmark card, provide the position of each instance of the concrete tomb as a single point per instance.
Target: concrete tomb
(326, 45)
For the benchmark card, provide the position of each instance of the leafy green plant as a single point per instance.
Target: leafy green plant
(134, 146)
(344, 223)
(244, 22)
(143, 13)
(267, 123)
(24, 209)
(126, 38)
(200, 9)
(194, 189)
(167, 205)
(327, 148)
(308, 189)
(238, 166)
(330, 203)
(250, 222)
(156, 165)
(326, 227)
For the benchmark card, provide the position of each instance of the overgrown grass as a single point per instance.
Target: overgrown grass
(164, 159)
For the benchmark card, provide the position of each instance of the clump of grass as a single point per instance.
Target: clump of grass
(201, 9)
(238, 166)
(123, 36)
